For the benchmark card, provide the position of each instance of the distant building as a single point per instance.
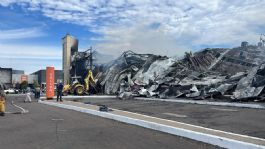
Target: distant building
(41, 76)
(6, 77)
(10, 77)
(18, 71)
(70, 46)
(19, 78)
(244, 44)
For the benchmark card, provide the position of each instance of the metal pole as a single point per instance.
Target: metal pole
(91, 59)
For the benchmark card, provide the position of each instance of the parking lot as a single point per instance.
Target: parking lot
(237, 120)
(49, 127)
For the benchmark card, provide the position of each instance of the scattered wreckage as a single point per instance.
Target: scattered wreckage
(228, 74)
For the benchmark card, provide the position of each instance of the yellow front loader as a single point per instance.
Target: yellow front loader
(80, 89)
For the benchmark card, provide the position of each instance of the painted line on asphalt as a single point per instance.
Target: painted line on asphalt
(57, 119)
(175, 115)
(203, 137)
(19, 107)
(221, 109)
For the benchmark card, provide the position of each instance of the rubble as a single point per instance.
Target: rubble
(122, 68)
(250, 85)
(157, 71)
(236, 74)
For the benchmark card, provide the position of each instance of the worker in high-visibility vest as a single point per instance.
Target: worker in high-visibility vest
(2, 104)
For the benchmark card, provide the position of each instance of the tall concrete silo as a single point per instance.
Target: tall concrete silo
(70, 46)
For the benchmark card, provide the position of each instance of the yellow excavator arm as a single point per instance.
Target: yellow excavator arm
(89, 78)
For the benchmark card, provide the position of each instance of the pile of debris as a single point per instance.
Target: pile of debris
(234, 74)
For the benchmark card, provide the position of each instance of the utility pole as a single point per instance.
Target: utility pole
(91, 58)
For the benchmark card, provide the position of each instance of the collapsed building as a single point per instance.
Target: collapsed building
(236, 74)
(231, 74)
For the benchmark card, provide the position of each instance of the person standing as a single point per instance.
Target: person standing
(28, 98)
(2, 102)
(36, 93)
(59, 91)
(37, 90)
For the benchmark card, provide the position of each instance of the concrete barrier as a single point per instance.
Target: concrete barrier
(83, 97)
(213, 103)
(203, 102)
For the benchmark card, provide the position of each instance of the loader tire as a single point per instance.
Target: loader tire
(79, 90)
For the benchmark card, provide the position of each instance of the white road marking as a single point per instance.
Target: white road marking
(175, 115)
(221, 109)
(62, 130)
(23, 110)
(7, 112)
(58, 119)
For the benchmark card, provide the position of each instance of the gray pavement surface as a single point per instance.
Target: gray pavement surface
(47, 127)
(237, 120)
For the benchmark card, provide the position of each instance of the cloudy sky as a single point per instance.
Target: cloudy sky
(31, 30)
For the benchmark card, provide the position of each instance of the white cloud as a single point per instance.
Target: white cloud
(183, 24)
(29, 65)
(21, 33)
(140, 39)
(30, 51)
(30, 57)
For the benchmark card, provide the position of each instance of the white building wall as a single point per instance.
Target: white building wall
(16, 78)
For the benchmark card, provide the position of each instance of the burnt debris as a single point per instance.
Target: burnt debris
(236, 74)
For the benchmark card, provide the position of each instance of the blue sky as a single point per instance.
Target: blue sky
(31, 30)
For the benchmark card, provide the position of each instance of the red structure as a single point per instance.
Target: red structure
(24, 78)
(49, 82)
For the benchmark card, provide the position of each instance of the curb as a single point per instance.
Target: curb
(227, 104)
(81, 97)
(202, 137)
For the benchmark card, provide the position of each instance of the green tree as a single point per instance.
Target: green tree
(35, 84)
(24, 85)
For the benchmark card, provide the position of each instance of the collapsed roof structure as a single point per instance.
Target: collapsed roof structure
(235, 74)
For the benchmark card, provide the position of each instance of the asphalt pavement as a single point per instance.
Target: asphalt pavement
(47, 127)
(237, 120)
